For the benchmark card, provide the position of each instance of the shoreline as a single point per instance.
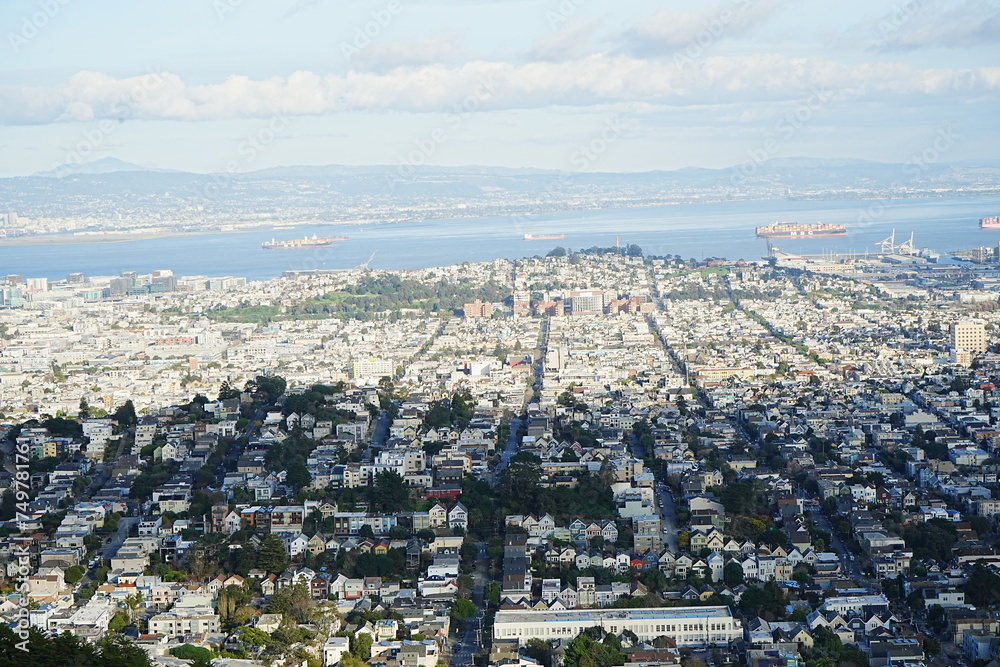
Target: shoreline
(110, 238)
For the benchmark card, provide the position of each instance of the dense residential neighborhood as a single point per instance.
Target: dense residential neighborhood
(586, 459)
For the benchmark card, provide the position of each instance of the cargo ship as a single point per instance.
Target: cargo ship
(550, 237)
(313, 242)
(992, 222)
(792, 230)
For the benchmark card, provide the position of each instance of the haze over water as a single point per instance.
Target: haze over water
(694, 230)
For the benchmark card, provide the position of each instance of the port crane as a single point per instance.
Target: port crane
(888, 246)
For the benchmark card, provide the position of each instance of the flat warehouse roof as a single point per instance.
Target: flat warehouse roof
(597, 615)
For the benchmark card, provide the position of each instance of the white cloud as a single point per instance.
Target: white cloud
(669, 31)
(922, 25)
(387, 54)
(572, 40)
(586, 82)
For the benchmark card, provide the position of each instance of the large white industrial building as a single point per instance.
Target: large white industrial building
(688, 626)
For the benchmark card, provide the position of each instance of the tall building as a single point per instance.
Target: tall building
(478, 309)
(969, 335)
(555, 358)
(372, 368)
(522, 303)
(586, 301)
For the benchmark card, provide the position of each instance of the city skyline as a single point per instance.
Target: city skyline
(579, 86)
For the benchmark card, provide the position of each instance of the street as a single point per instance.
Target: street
(469, 641)
(848, 565)
(668, 516)
(509, 450)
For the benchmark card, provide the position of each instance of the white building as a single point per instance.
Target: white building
(688, 626)
(969, 335)
(373, 368)
(184, 621)
(334, 649)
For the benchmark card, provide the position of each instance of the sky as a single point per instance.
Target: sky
(578, 85)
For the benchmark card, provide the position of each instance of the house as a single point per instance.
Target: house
(334, 649)
(609, 532)
(268, 622)
(232, 523)
(296, 544)
(316, 544)
(438, 516)
(458, 517)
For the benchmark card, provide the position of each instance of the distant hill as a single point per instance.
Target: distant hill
(110, 187)
(107, 165)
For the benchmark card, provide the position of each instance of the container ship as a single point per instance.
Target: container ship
(990, 223)
(313, 242)
(791, 230)
(549, 237)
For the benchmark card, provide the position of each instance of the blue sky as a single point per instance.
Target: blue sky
(211, 85)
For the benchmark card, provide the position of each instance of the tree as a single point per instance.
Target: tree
(519, 486)
(125, 415)
(732, 574)
(298, 476)
(271, 555)
(361, 646)
(254, 637)
(267, 387)
(463, 610)
(8, 506)
(584, 651)
(227, 391)
(936, 616)
(120, 650)
(291, 601)
(439, 415)
(231, 599)
(983, 588)
(74, 574)
(931, 539)
(191, 652)
(540, 651)
(84, 412)
(390, 493)
(462, 406)
(757, 600)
